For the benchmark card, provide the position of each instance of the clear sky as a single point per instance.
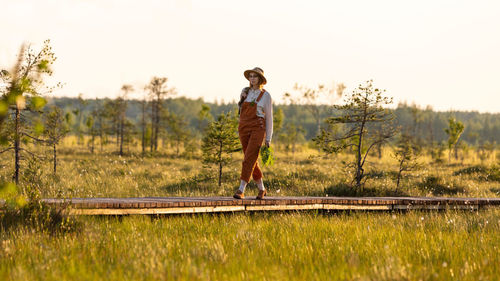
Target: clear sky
(444, 53)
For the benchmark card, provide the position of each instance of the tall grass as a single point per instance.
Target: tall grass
(262, 246)
(280, 246)
(307, 173)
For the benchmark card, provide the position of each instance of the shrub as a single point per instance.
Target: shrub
(435, 185)
(26, 208)
(344, 189)
(481, 172)
(39, 216)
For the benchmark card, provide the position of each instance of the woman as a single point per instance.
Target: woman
(256, 122)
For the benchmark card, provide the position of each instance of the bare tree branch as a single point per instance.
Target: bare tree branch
(33, 155)
(368, 150)
(33, 138)
(5, 150)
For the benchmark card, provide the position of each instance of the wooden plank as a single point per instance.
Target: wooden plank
(209, 201)
(357, 207)
(155, 211)
(166, 205)
(284, 207)
(435, 207)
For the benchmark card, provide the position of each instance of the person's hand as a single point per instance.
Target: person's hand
(268, 143)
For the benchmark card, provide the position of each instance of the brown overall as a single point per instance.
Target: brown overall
(251, 130)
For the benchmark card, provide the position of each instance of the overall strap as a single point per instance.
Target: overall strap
(260, 95)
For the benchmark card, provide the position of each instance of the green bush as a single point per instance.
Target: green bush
(436, 186)
(481, 172)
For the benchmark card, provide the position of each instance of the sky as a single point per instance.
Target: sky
(443, 53)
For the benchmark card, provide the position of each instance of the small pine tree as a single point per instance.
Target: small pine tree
(80, 118)
(291, 136)
(278, 118)
(178, 131)
(436, 151)
(121, 105)
(55, 129)
(366, 123)
(144, 125)
(454, 131)
(98, 126)
(406, 155)
(158, 92)
(204, 117)
(23, 101)
(486, 150)
(220, 141)
(311, 98)
(89, 123)
(111, 122)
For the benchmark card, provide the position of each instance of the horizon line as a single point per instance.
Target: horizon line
(394, 106)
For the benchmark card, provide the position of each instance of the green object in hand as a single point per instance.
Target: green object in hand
(267, 156)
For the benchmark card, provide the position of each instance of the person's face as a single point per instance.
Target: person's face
(254, 79)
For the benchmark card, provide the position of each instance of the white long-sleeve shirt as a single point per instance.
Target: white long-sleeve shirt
(264, 109)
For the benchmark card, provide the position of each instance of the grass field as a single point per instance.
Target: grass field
(451, 245)
(81, 174)
(278, 246)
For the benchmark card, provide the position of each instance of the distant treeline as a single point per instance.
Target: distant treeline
(426, 125)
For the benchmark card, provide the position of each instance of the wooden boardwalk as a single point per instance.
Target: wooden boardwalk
(189, 205)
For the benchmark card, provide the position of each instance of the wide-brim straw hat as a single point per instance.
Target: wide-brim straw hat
(258, 71)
